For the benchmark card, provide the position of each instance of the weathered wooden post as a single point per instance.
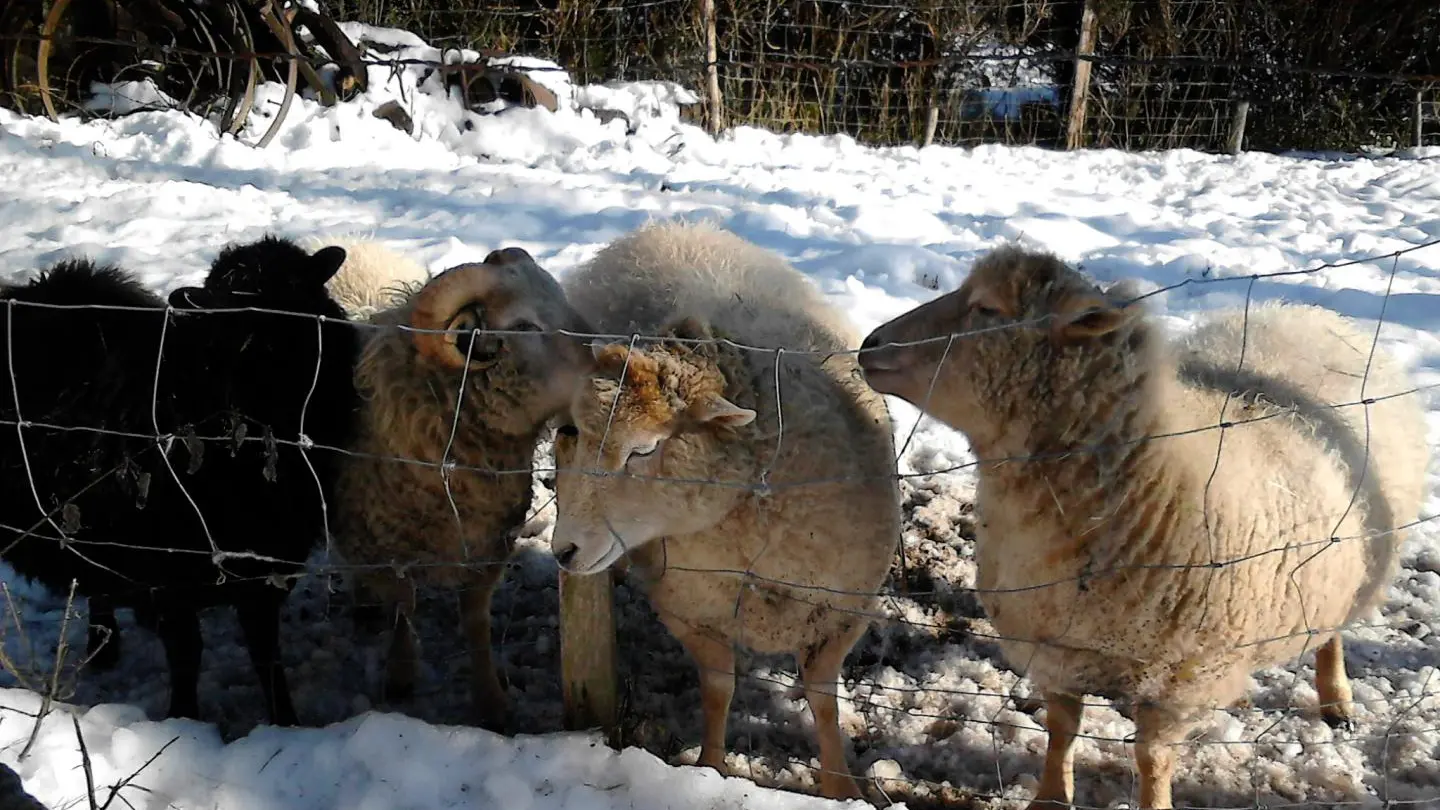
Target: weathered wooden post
(1238, 113)
(587, 653)
(716, 120)
(932, 120)
(1419, 117)
(1080, 90)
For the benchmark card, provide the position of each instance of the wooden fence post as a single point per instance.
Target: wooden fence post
(716, 120)
(932, 120)
(1080, 89)
(587, 653)
(1419, 117)
(1238, 114)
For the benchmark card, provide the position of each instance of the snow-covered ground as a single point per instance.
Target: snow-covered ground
(880, 230)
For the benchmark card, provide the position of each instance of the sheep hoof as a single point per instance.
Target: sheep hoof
(398, 691)
(490, 717)
(834, 786)
(1338, 719)
(183, 709)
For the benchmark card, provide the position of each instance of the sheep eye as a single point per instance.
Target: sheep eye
(464, 322)
(480, 348)
(525, 326)
(987, 312)
(568, 431)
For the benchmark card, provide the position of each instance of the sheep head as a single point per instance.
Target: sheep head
(1022, 331)
(271, 273)
(500, 322)
(648, 433)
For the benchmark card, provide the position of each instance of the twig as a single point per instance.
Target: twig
(85, 764)
(115, 789)
(49, 696)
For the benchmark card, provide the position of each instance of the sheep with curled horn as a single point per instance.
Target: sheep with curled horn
(1129, 547)
(457, 384)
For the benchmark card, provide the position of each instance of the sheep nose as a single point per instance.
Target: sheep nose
(872, 356)
(567, 555)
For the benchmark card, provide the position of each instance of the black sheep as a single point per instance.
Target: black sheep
(154, 524)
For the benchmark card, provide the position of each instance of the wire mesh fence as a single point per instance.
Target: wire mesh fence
(965, 72)
(933, 672)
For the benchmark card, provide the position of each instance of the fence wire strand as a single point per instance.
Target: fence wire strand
(968, 72)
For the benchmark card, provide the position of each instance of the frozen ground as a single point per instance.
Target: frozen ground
(879, 230)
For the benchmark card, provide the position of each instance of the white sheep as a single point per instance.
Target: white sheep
(1129, 548)
(475, 400)
(373, 278)
(760, 517)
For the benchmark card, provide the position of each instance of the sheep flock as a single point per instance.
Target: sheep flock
(325, 435)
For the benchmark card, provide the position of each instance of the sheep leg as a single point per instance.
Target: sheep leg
(403, 658)
(367, 611)
(715, 661)
(102, 637)
(487, 697)
(260, 622)
(1156, 733)
(180, 633)
(820, 675)
(1333, 684)
(1063, 714)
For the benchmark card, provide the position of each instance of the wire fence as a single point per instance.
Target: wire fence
(927, 621)
(1206, 74)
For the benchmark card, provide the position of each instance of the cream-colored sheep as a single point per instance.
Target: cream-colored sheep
(758, 519)
(406, 523)
(373, 278)
(1162, 571)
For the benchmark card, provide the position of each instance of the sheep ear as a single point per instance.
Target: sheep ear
(717, 410)
(188, 298)
(690, 328)
(326, 262)
(509, 255)
(1086, 315)
(1125, 289)
(608, 354)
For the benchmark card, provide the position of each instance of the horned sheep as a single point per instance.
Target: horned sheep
(1130, 548)
(174, 461)
(457, 384)
(754, 489)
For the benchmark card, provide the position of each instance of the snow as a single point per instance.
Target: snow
(933, 712)
(122, 98)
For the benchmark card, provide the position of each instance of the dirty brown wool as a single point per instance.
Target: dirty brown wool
(473, 399)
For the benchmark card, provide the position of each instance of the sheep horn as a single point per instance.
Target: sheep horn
(438, 303)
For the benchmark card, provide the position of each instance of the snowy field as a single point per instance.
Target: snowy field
(932, 709)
